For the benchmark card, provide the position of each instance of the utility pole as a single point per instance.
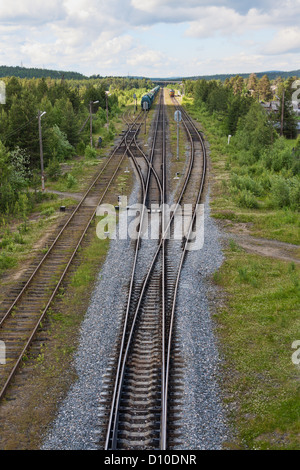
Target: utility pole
(177, 118)
(282, 113)
(107, 94)
(106, 110)
(41, 149)
(91, 121)
(91, 125)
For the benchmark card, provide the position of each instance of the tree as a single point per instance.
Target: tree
(217, 99)
(238, 106)
(23, 125)
(237, 84)
(95, 94)
(286, 116)
(255, 132)
(264, 89)
(13, 177)
(13, 89)
(57, 146)
(253, 85)
(65, 118)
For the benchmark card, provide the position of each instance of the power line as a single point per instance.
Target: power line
(19, 128)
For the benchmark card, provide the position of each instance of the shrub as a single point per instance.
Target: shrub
(54, 170)
(247, 183)
(71, 181)
(278, 157)
(247, 199)
(295, 193)
(280, 193)
(90, 152)
(6, 261)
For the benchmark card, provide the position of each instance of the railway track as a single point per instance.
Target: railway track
(22, 314)
(143, 394)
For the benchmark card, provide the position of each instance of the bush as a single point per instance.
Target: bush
(6, 261)
(71, 181)
(279, 157)
(90, 152)
(247, 199)
(280, 193)
(247, 183)
(295, 193)
(80, 148)
(54, 170)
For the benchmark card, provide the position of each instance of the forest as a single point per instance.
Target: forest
(65, 105)
(263, 145)
(235, 105)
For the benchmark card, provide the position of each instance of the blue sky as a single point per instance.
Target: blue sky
(161, 38)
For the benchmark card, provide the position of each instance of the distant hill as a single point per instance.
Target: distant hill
(271, 74)
(24, 72)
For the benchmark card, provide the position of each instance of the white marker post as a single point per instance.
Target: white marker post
(177, 118)
(2, 353)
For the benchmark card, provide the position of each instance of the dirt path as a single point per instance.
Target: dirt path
(261, 246)
(270, 248)
(77, 196)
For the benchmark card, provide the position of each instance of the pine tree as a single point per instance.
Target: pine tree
(253, 85)
(264, 89)
(286, 116)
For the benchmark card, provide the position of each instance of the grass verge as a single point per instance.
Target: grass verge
(257, 329)
(282, 224)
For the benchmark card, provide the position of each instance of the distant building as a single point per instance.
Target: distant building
(270, 106)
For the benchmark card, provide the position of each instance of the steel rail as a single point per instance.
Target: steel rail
(124, 353)
(183, 255)
(8, 312)
(114, 408)
(111, 435)
(54, 292)
(145, 282)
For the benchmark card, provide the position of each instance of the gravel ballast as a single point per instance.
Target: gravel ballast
(204, 423)
(204, 417)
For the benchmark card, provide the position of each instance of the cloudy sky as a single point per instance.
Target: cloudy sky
(153, 38)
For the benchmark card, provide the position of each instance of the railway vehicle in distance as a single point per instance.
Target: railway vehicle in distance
(149, 97)
(172, 93)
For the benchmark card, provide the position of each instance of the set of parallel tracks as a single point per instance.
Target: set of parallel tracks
(143, 400)
(144, 389)
(21, 316)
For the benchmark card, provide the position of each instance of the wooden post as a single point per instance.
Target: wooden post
(282, 113)
(41, 151)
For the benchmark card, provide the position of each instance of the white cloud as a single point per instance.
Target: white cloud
(286, 40)
(31, 11)
(106, 36)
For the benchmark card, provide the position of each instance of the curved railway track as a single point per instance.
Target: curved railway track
(20, 318)
(138, 406)
(143, 392)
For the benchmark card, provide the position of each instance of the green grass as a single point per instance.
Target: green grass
(18, 238)
(259, 316)
(257, 328)
(242, 206)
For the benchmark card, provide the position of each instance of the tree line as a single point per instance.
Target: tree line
(67, 107)
(232, 99)
(264, 166)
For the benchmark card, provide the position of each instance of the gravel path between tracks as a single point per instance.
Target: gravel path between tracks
(204, 422)
(204, 416)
